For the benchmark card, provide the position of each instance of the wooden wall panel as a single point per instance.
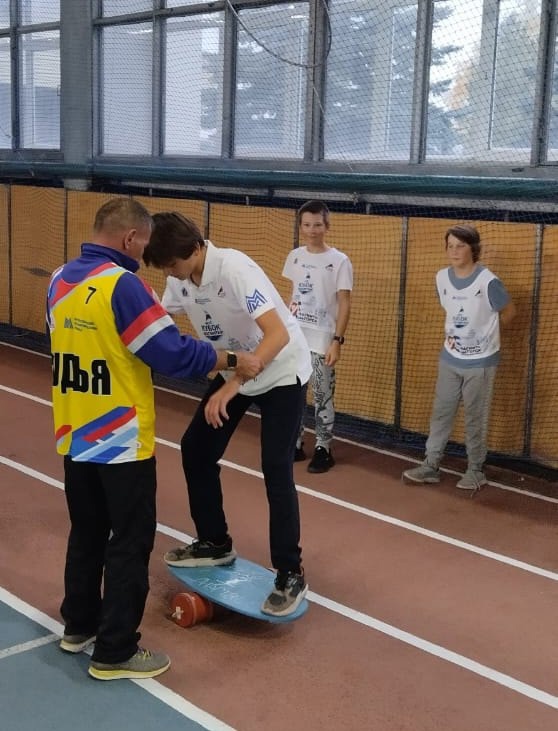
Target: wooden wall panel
(82, 207)
(544, 438)
(366, 371)
(4, 256)
(37, 232)
(509, 251)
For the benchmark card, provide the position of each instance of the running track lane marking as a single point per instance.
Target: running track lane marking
(405, 525)
(407, 638)
(426, 532)
(368, 447)
(31, 645)
(152, 686)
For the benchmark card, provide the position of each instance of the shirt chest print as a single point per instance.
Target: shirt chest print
(460, 319)
(211, 329)
(306, 285)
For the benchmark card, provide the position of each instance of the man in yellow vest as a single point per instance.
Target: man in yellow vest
(108, 332)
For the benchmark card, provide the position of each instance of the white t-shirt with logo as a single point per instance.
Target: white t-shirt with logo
(316, 280)
(234, 291)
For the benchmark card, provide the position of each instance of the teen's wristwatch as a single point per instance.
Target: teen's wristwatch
(340, 339)
(232, 360)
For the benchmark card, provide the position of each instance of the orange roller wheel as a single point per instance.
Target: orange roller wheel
(189, 608)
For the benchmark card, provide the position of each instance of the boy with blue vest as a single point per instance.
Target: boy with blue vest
(476, 302)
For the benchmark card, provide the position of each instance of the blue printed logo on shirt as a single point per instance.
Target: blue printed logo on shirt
(255, 300)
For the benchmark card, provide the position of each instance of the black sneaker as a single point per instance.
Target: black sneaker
(300, 454)
(322, 460)
(201, 553)
(290, 589)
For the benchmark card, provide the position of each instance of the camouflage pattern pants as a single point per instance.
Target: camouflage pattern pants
(323, 389)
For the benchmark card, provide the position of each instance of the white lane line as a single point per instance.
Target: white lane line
(28, 396)
(390, 520)
(31, 645)
(427, 533)
(31, 612)
(431, 648)
(340, 503)
(31, 472)
(455, 658)
(368, 447)
(150, 685)
(183, 706)
(409, 639)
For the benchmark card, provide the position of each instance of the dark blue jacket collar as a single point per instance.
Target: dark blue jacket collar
(118, 257)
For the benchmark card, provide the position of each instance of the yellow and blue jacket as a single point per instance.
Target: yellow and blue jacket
(108, 332)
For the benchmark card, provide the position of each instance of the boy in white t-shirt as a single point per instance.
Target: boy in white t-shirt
(232, 304)
(322, 280)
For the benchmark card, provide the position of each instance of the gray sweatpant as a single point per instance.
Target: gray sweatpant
(474, 386)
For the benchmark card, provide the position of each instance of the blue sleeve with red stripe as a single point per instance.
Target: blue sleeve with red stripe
(149, 332)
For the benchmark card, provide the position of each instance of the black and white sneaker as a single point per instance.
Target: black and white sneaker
(322, 460)
(290, 589)
(201, 553)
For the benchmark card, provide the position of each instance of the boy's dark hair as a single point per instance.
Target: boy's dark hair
(173, 237)
(314, 207)
(468, 235)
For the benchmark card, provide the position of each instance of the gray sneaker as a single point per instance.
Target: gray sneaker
(290, 589)
(423, 473)
(76, 643)
(201, 553)
(472, 480)
(144, 664)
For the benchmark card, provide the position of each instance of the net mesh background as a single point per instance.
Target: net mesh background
(388, 368)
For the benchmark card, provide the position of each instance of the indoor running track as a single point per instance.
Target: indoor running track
(428, 609)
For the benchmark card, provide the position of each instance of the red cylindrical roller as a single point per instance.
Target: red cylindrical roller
(189, 608)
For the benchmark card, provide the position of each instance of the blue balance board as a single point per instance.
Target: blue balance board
(241, 586)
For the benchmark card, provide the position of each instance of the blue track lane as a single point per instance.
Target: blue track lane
(43, 688)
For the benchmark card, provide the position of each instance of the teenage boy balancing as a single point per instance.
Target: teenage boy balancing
(231, 302)
(475, 301)
(322, 280)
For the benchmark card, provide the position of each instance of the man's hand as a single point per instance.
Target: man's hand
(248, 365)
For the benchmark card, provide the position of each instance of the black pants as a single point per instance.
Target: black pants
(113, 522)
(203, 446)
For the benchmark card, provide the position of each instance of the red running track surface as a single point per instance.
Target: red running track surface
(428, 610)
